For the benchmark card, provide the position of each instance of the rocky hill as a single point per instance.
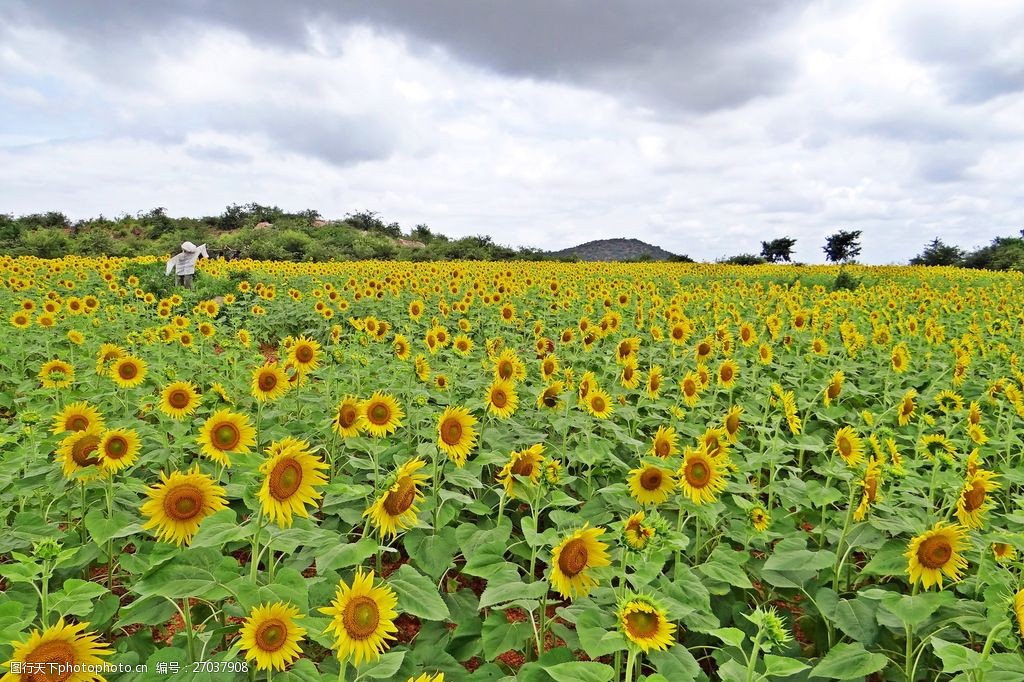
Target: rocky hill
(615, 250)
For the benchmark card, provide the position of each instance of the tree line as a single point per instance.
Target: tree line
(1004, 253)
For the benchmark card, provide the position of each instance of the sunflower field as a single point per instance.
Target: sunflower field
(497, 471)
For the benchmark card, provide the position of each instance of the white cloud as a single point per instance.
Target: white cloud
(864, 135)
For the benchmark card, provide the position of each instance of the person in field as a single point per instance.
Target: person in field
(184, 264)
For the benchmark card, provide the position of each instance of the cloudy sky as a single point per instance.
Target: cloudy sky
(703, 126)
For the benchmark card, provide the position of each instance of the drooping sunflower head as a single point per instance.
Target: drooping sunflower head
(270, 636)
(934, 445)
(76, 417)
(362, 618)
(701, 476)
(574, 559)
(549, 397)
(525, 464)
(1003, 552)
(848, 445)
(291, 478)
(974, 498)
(690, 386)
(380, 415)
(118, 449)
(664, 443)
(645, 624)
(455, 433)
(79, 452)
(1017, 605)
(732, 422)
(636, 533)
(62, 644)
(834, 388)
(179, 503)
(651, 484)
(347, 417)
(56, 374)
(908, 405)
(935, 554)
(225, 433)
(395, 509)
(715, 442)
(655, 379)
(128, 371)
(180, 399)
(269, 382)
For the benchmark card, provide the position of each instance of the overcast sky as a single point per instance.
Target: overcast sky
(703, 126)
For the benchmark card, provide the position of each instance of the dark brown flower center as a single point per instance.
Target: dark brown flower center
(598, 403)
(271, 635)
(703, 348)
(726, 373)
(48, 656)
(78, 423)
(399, 500)
(845, 446)
(573, 558)
(183, 502)
(975, 497)
(179, 399)
(662, 447)
(505, 369)
(523, 466)
(361, 617)
(379, 414)
(650, 479)
(115, 448)
(347, 415)
(285, 479)
(732, 423)
(499, 398)
(935, 552)
(226, 436)
(304, 353)
(127, 371)
(697, 473)
(83, 451)
(268, 381)
(451, 431)
(641, 624)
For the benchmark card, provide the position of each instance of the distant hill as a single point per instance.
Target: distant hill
(615, 250)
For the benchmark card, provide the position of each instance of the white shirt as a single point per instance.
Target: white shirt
(185, 262)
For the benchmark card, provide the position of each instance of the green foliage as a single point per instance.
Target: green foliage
(1004, 253)
(743, 259)
(843, 246)
(938, 253)
(777, 250)
(845, 281)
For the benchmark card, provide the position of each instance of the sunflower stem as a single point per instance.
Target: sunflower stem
(110, 541)
(186, 615)
(254, 553)
(341, 671)
(630, 662)
(989, 641)
(909, 651)
(840, 558)
(754, 654)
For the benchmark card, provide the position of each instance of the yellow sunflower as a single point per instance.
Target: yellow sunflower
(637, 534)
(291, 476)
(347, 417)
(974, 501)
(62, 644)
(179, 503)
(362, 618)
(645, 625)
(509, 366)
(650, 484)
(118, 449)
(834, 388)
(401, 346)
(869, 489)
(502, 399)
(573, 560)
(427, 677)
(455, 434)
(225, 433)
(727, 373)
(1018, 611)
(760, 518)
(380, 415)
(180, 399)
(690, 387)
(936, 553)
(549, 397)
(849, 446)
(908, 404)
(56, 374)
(524, 463)
(701, 476)
(76, 417)
(732, 423)
(655, 378)
(630, 377)
(270, 636)
(599, 403)
(79, 451)
(395, 510)
(128, 371)
(305, 354)
(664, 443)
(1004, 552)
(269, 382)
